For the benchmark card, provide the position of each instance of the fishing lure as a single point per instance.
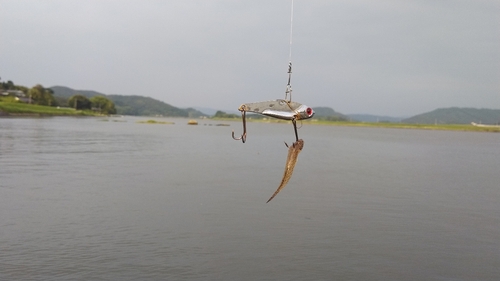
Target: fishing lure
(283, 109)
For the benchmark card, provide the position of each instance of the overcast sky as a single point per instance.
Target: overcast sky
(397, 58)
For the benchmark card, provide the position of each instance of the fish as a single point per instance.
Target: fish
(291, 160)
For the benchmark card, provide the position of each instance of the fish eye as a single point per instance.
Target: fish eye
(309, 111)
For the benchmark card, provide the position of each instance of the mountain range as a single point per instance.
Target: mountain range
(131, 105)
(456, 115)
(146, 106)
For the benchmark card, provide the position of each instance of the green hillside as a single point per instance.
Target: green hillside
(146, 106)
(131, 105)
(65, 92)
(327, 113)
(455, 115)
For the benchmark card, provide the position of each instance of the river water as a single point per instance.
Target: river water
(112, 199)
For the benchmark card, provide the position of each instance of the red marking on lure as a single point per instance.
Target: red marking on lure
(309, 111)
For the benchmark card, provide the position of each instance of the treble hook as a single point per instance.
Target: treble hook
(243, 137)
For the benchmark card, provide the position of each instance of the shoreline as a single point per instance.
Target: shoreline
(10, 109)
(65, 112)
(433, 127)
(4, 114)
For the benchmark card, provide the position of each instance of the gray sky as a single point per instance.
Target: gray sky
(397, 58)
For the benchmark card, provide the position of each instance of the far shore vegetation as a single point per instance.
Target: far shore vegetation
(18, 100)
(23, 109)
(339, 122)
(447, 127)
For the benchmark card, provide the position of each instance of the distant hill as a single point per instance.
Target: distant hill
(65, 92)
(146, 106)
(328, 114)
(131, 105)
(208, 111)
(455, 115)
(373, 118)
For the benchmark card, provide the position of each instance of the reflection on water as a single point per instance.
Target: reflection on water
(82, 199)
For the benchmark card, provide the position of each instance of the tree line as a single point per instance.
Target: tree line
(45, 96)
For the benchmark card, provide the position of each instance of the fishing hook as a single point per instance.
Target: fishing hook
(294, 122)
(243, 137)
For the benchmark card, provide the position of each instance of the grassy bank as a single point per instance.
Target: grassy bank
(442, 127)
(23, 109)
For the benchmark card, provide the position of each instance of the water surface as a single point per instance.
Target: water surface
(86, 199)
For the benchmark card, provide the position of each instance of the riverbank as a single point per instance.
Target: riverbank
(14, 109)
(441, 127)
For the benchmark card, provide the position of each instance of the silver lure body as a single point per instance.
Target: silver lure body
(281, 109)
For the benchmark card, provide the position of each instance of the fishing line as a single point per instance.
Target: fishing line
(291, 29)
(288, 86)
